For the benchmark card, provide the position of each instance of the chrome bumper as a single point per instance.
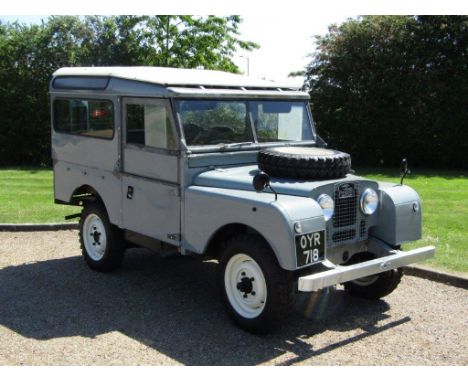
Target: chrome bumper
(341, 274)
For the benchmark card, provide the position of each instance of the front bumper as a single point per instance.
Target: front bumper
(340, 274)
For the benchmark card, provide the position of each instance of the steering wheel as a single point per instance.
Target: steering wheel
(220, 134)
(193, 133)
(226, 128)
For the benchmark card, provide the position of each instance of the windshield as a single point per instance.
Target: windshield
(209, 122)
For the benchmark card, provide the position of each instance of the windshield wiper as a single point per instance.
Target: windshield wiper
(224, 146)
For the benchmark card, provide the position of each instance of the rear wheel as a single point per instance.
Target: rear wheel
(375, 286)
(256, 292)
(102, 244)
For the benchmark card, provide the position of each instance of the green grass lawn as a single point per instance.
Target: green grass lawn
(444, 197)
(26, 196)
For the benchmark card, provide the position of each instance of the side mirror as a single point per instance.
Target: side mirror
(404, 170)
(403, 165)
(261, 181)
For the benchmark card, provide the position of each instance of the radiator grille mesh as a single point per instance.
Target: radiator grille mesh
(345, 227)
(345, 206)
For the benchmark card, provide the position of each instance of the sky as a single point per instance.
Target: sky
(285, 43)
(284, 30)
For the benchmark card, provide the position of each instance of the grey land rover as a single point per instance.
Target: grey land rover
(196, 162)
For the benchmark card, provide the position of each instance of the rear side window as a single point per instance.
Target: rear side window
(83, 117)
(88, 83)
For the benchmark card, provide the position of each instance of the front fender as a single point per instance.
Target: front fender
(207, 209)
(399, 215)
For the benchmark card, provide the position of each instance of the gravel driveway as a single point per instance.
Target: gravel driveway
(55, 311)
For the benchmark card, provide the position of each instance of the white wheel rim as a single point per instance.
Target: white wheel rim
(245, 286)
(94, 237)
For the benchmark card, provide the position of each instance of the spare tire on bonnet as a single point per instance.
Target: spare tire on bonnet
(304, 162)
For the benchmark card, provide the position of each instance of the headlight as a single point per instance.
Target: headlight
(369, 201)
(328, 205)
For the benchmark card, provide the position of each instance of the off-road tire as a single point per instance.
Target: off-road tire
(279, 284)
(115, 243)
(385, 283)
(304, 162)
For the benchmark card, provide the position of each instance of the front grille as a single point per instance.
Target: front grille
(345, 226)
(345, 205)
(345, 235)
(363, 229)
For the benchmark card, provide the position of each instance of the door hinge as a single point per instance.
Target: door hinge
(117, 165)
(174, 192)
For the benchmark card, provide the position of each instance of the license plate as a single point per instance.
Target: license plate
(310, 248)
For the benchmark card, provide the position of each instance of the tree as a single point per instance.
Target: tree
(387, 87)
(29, 54)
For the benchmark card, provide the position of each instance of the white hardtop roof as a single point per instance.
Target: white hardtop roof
(173, 76)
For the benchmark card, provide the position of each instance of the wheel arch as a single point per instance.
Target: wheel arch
(87, 193)
(74, 184)
(222, 234)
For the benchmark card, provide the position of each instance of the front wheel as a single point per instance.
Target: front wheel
(102, 244)
(375, 286)
(256, 292)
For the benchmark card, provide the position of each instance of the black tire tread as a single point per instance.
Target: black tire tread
(386, 283)
(280, 297)
(302, 166)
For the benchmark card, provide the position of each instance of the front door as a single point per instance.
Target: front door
(150, 180)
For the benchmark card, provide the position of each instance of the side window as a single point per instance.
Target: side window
(149, 125)
(82, 117)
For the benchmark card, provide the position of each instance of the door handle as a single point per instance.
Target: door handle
(130, 192)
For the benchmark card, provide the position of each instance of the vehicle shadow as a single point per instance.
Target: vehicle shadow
(171, 305)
